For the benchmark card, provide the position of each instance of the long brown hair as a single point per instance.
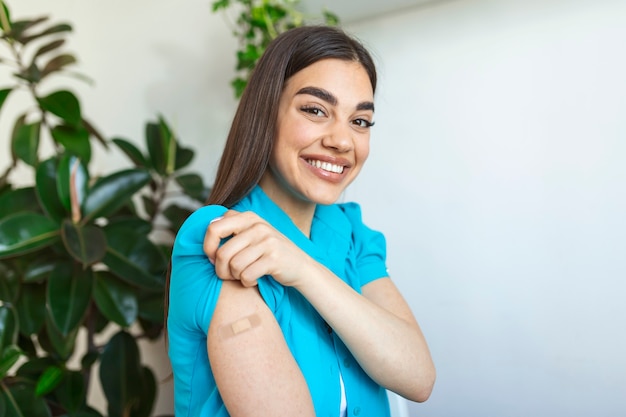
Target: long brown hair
(251, 137)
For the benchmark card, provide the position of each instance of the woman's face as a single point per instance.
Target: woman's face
(323, 131)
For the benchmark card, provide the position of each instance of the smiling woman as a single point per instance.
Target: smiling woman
(279, 299)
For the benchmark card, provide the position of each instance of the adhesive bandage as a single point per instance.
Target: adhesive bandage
(239, 326)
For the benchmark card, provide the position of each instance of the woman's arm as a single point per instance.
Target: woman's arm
(377, 326)
(255, 372)
(379, 329)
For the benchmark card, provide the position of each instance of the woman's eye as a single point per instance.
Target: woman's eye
(315, 111)
(363, 123)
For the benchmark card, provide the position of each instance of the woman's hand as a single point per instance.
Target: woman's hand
(252, 248)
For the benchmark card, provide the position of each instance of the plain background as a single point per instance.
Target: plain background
(497, 173)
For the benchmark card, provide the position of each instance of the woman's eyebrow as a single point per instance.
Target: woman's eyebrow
(319, 93)
(330, 98)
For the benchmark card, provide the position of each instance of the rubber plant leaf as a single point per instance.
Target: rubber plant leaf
(4, 93)
(115, 299)
(25, 141)
(51, 46)
(64, 104)
(31, 308)
(26, 232)
(9, 283)
(9, 357)
(52, 30)
(49, 380)
(21, 199)
(120, 369)
(193, 186)
(71, 170)
(47, 191)
(68, 296)
(21, 401)
(8, 326)
(131, 152)
(86, 244)
(148, 390)
(112, 192)
(151, 307)
(74, 139)
(57, 343)
(71, 392)
(134, 258)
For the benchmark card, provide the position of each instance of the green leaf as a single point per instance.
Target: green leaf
(184, 156)
(63, 27)
(161, 147)
(138, 225)
(32, 74)
(115, 299)
(193, 186)
(38, 269)
(151, 307)
(64, 104)
(69, 164)
(61, 345)
(71, 392)
(25, 141)
(51, 46)
(131, 151)
(148, 389)
(21, 401)
(57, 64)
(47, 192)
(134, 258)
(31, 308)
(8, 358)
(112, 192)
(176, 216)
(35, 367)
(86, 244)
(68, 296)
(8, 326)
(49, 380)
(22, 199)
(4, 93)
(9, 283)
(120, 370)
(220, 4)
(75, 140)
(26, 232)
(5, 18)
(20, 26)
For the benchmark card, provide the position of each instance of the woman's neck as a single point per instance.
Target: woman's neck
(300, 212)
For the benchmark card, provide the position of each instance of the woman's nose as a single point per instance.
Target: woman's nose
(339, 138)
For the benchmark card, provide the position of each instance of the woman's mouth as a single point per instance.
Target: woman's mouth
(326, 166)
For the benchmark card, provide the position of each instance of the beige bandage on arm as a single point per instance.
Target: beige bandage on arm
(239, 326)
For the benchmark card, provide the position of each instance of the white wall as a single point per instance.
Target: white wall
(497, 173)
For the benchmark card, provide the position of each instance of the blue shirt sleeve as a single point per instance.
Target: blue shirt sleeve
(194, 286)
(370, 246)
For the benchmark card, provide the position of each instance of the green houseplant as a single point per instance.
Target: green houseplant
(78, 253)
(256, 23)
(81, 255)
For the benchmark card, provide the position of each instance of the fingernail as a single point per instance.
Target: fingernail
(216, 219)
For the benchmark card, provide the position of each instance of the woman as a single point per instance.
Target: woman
(279, 301)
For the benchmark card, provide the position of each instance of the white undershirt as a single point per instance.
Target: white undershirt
(343, 406)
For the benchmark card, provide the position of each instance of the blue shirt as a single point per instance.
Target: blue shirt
(341, 242)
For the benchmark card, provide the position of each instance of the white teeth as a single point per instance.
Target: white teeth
(326, 166)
